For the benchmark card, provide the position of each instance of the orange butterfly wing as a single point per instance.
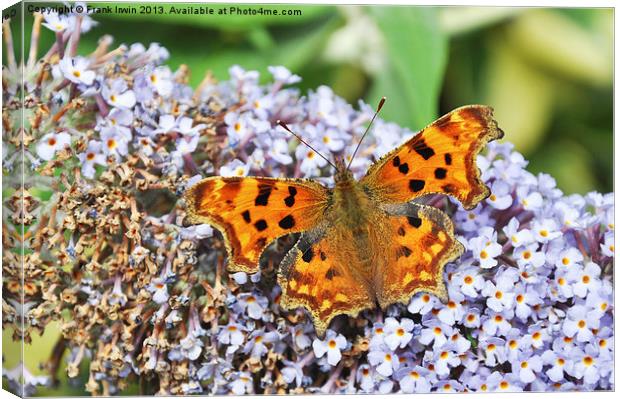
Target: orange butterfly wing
(421, 241)
(251, 212)
(439, 159)
(319, 274)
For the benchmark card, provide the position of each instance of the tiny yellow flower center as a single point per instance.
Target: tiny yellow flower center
(543, 233)
(400, 332)
(565, 261)
(581, 324)
(332, 344)
(468, 279)
(524, 365)
(483, 254)
(77, 74)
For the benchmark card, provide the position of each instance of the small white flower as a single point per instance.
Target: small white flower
(241, 383)
(398, 333)
(160, 79)
(422, 303)
(283, 75)
(332, 346)
(384, 360)
(234, 168)
(527, 367)
(76, 70)
(485, 251)
(159, 290)
(50, 143)
(118, 95)
(580, 323)
(500, 197)
(254, 305)
(545, 230)
(91, 157)
(517, 237)
(55, 22)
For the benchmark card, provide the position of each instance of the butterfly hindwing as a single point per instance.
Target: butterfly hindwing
(421, 243)
(439, 159)
(319, 275)
(251, 212)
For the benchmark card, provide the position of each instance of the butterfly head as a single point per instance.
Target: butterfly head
(342, 172)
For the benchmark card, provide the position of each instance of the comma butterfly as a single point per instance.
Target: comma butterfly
(364, 241)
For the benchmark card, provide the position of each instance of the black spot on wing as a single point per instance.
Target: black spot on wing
(416, 185)
(440, 173)
(331, 273)
(401, 231)
(264, 191)
(260, 225)
(246, 216)
(403, 168)
(290, 200)
(287, 222)
(404, 251)
(448, 159)
(308, 255)
(414, 221)
(322, 255)
(396, 161)
(422, 149)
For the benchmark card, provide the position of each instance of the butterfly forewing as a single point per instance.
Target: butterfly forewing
(439, 159)
(251, 212)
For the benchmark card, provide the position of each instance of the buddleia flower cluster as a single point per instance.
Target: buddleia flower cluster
(111, 140)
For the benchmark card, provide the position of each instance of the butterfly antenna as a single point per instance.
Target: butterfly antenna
(279, 122)
(367, 129)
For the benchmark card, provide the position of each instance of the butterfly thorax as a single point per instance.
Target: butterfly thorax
(351, 203)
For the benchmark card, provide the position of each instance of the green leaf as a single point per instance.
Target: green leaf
(417, 51)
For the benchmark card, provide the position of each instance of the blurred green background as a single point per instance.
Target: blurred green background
(548, 73)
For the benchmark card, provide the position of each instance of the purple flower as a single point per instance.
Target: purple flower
(332, 346)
